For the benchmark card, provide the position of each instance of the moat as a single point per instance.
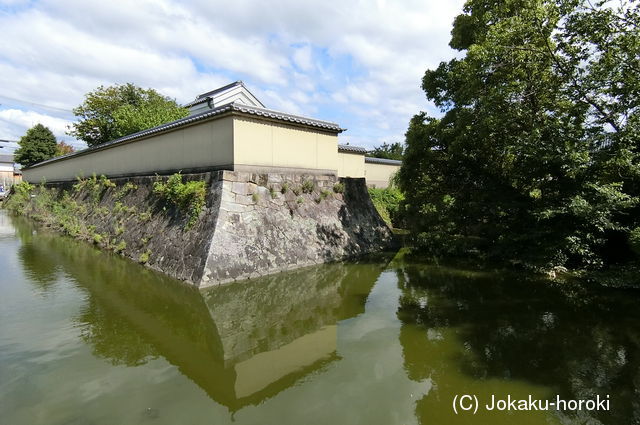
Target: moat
(87, 337)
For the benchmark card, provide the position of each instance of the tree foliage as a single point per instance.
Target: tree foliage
(63, 148)
(388, 151)
(116, 111)
(535, 158)
(387, 202)
(38, 144)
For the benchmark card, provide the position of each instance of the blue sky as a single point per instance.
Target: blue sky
(357, 63)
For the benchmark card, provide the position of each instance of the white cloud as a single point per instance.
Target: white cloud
(302, 58)
(15, 122)
(29, 119)
(357, 63)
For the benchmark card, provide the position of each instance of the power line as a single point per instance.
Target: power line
(26, 102)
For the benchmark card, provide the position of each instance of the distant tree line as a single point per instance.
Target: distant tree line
(388, 151)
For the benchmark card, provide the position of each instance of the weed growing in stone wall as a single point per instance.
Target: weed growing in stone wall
(322, 196)
(125, 189)
(188, 196)
(94, 185)
(72, 211)
(338, 188)
(119, 229)
(144, 216)
(307, 186)
(284, 188)
(144, 257)
(101, 211)
(272, 192)
(121, 246)
(296, 191)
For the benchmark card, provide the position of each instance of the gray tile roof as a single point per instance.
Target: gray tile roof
(220, 110)
(372, 160)
(351, 149)
(281, 116)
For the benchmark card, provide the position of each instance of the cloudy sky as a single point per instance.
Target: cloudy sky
(357, 63)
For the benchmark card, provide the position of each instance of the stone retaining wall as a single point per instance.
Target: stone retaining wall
(252, 224)
(267, 224)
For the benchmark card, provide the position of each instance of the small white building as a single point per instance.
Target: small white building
(9, 171)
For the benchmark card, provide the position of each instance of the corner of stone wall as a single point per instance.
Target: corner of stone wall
(271, 222)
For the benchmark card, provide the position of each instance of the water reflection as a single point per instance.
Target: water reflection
(505, 334)
(240, 343)
(299, 347)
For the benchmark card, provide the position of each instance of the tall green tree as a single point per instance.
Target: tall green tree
(38, 144)
(115, 111)
(536, 157)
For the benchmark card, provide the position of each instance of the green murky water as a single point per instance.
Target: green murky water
(89, 338)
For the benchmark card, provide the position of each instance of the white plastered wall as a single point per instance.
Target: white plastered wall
(205, 144)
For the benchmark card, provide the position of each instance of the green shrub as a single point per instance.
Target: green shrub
(189, 196)
(300, 200)
(19, 197)
(284, 188)
(272, 192)
(387, 202)
(338, 188)
(324, 194)
(296, 191)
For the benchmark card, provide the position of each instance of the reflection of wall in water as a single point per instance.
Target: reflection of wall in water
(265, 314)
(245, 343)
(274, 327)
